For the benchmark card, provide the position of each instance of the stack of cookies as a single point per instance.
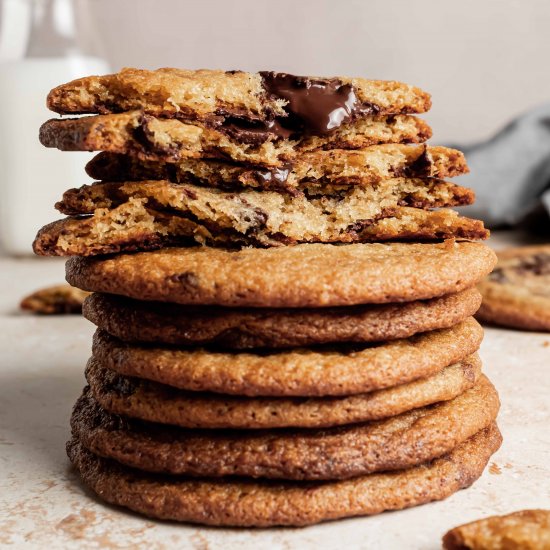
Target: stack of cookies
(283, 297)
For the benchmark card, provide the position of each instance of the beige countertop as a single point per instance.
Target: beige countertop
(42, 503)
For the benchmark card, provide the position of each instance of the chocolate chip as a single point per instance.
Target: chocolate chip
(318, 106)
(254, 132)
(421, 166)
(122, 386)
(539, 264)
(257, 218)
(277, 176)
(498, 276)
(146, 138)
(189, 193)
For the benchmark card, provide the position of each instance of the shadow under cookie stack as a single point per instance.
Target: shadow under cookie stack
(283, 298)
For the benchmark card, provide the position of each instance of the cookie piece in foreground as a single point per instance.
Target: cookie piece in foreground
(263, 504)
(249, 328)
(153, 402)
(335, 370)
(317, 172)
(151, 138)
(523, 530)
(517, 293)
(55, 300)
(215, 96)
(308, 275)
(343, 452)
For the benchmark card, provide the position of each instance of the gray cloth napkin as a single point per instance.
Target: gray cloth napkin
(510, 173)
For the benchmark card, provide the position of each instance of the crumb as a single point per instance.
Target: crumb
(525, 530)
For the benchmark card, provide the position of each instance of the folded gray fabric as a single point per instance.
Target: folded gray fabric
(510, 173)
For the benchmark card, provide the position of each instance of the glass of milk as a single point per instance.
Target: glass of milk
(38, 51)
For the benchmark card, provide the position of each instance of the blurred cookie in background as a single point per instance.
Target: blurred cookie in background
(517, 293)
(55, 300)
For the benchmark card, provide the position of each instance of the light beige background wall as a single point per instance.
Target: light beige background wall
(484, 61)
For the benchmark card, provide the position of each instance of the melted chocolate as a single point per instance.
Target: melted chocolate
(276, 176)
(316, 106)
(275, 127)
(421, 167)
(254, 133)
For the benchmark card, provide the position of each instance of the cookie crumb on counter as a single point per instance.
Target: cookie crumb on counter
(526, 529)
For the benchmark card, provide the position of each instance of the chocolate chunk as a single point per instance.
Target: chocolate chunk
(254, 132)
(317, 106)
(146, 138)
(276, 176)
(259, 219)
(189, 193)
(121, 386)
(249, 133)
(275, 127)
(421, 166)
(256, 217)
(498, 276)
(538, 264)
(359, 225)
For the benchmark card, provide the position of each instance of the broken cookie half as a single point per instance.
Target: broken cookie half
(134, 225)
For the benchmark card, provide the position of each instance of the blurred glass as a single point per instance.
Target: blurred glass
(40, 48)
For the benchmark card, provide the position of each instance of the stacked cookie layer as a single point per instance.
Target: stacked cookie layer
(250, 159)
(285, 329)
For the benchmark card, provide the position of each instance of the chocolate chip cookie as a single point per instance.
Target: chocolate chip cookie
(309, 275)
(270, 218)
(147, 400)
(517, 293)
(169, 140)
(314, 173)
(279, 212)
(264, 504)
(395, 443)
(253, 328)
(134, 226)
(228, 96)
(337, 370)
